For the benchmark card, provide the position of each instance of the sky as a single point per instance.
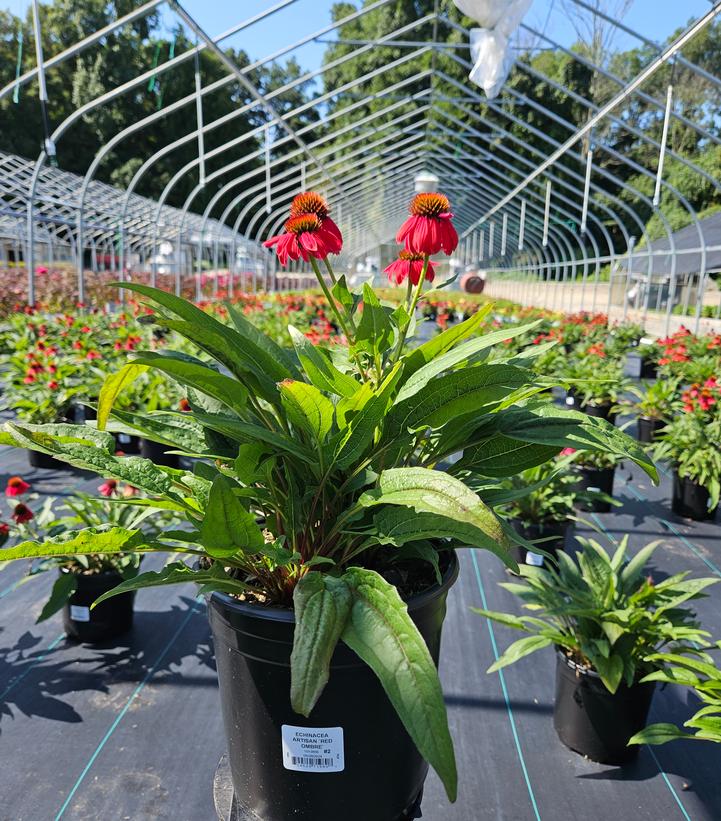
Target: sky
(655, 19)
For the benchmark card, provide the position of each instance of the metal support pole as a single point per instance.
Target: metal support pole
(547, 213)
(504, 235)
(522, 226)
(664, 142)
(199, 117)
(587, 190)
(268, 201)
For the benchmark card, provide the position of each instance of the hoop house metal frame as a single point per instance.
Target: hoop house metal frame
(518, 211)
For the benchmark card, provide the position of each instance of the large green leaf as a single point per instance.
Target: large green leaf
(432, 491)
(195, 374)
(444, 341)
(398, 526)
(319, 369)
(456, 394)
(114, 385)
(519, 649)
(322, 606)
(65, 585)
(382, 633)
(456, 356)
(174, 428)
(307, 408)
(375, 331)
(214, 578)
(227, 527)
(658, 734)
(92, 540)
(501, 456)
(266, 350)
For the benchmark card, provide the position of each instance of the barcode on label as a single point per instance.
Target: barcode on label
(313, 749)
(303, 761)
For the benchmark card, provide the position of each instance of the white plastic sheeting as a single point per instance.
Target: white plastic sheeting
(491, 44)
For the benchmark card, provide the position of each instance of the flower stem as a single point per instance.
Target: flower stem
(412, 309)
(331, 300)
(331, 273)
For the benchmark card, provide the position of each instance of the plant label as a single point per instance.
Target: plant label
(313, 749)
(78, 613)
(534, 559)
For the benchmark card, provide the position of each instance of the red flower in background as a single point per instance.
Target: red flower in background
(108, 488)
(311, 203)
(184, 405)
(303, 238)
(410, 265)
(429, 229)
(16, 486)
(22, 514)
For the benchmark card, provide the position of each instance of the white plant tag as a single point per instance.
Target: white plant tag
(123, 439)
(79, 613)
(570, 400)
(534, 559)
(313, 749)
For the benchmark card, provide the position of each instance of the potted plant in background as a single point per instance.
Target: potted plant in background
(318, 522)
(84, 578)
(595, 473)
(541, 505)
(597, 382)
(702, 675)
(691, 442)
(608, 621)
(654, 407)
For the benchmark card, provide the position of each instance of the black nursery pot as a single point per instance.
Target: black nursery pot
(556, 544)
(380, 773)
(109, 619)
(602, 411)
(594, 722)
(157, 453)
(127, 443)
(45, 461)
(595, 479)
(649, 369)
(647, 429)
(690, 500)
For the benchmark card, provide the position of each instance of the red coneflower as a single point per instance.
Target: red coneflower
(410, 265)
(22, 514)
(311, 203)
(304, 237)
(16, 486)
(108, 488)
(429, 228)
(184, 405)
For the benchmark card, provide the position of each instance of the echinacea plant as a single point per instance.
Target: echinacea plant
(316, 470)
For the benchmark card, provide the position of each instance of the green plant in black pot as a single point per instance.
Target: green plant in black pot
(691, 442)
(322, 514)
(595, 473)
(541, 503)
(700, 673)
(654, 405)
(608, 620)
(597, 382)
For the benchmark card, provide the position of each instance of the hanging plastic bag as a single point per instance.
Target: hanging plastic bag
(490, 45)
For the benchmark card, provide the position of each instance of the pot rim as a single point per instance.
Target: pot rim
(589, 671)
(287, 615)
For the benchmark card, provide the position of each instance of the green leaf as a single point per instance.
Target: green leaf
(113, 386)
(375, 331)
(307, 408)
(456, 356)
(65, 585)
(461, 392)
(444, 341)
(343, 294)
(381, 632)
(228, 528)
(266, 351)
(398, 526)
(519, 649)
(175, 429)
(432, 491)
(658, 734)
(610, 670)
(319, 369)
(502, 456)
(322, 606)
(91, 541)
(505, 619)
(632, 572)
(178, 573)
(195, 374)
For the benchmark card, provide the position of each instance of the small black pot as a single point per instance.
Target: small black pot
(383, 771)
(649, 369)
(109, 619)
(595, 479)
(127, 443)
(157, 453)
(647, 428)
(594, 722)
(46, 462)
(557, 530)
(690, 500)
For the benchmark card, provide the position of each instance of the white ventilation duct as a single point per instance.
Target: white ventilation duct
(491, 44)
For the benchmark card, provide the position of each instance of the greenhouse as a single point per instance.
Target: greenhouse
(360, 410)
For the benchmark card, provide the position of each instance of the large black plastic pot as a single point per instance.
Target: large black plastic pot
(109, 619)
(596, 479)
(157, 453)
(690, 500)
(45, 461)
(382, 774)
(555, 532)
(647, 429)
(593, 721)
